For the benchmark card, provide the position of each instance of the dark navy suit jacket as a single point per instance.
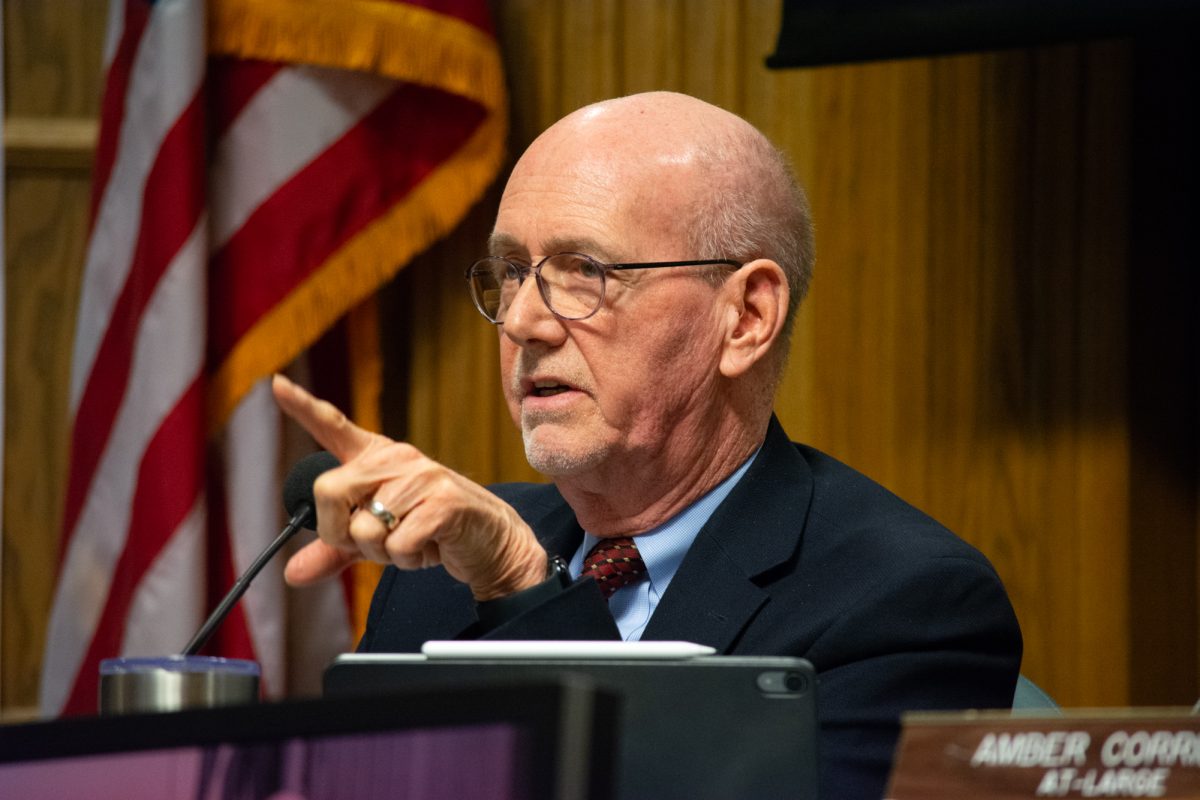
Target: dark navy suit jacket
(805, 557)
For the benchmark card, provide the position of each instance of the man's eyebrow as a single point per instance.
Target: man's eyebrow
(502, 244)
(581, 244)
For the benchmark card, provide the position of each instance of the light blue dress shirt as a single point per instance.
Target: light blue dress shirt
(663, 549)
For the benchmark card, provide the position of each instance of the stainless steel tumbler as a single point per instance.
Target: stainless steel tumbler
(173, 683)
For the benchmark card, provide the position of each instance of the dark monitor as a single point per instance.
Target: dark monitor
(701, 728)
(518, 741)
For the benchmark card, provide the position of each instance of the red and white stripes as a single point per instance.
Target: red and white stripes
(136, 476)
(241, 206)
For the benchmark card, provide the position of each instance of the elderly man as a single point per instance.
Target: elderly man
(646, 264)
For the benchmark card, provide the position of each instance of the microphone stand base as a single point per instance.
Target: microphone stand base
(174, 683)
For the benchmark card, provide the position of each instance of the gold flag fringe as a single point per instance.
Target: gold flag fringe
(395, 40)
(366, 389)
(366, 364)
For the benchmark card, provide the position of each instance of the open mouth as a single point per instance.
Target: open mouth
(548, 389)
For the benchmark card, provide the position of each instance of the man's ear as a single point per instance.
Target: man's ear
(757, 296)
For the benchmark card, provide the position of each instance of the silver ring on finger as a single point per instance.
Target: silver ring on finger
(380, 512)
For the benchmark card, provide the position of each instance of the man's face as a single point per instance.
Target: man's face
(635, 380)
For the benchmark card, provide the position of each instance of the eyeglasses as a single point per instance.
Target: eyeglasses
(571, 284)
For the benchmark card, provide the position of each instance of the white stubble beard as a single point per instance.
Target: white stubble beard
(557, 460)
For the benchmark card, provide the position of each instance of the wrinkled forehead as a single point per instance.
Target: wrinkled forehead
(619, 195)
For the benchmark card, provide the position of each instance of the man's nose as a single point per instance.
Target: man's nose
(529, 320)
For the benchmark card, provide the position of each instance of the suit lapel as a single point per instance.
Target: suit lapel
(759, 526)
(713, 596)
(552, 520)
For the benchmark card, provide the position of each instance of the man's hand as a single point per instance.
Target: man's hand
(443, 518)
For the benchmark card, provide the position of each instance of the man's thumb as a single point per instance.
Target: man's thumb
(315, 562)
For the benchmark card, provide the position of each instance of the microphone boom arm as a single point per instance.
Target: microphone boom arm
(302, 517)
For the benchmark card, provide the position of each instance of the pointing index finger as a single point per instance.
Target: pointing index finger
(323, 421)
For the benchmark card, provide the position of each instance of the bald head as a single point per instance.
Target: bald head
(667, 385)
(664, 132)
(689, 174)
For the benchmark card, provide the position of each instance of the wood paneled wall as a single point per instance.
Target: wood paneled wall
(966, 342)
(52, 96)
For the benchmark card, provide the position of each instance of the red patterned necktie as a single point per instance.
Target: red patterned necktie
(614, 563)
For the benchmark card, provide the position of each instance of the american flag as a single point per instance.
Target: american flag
(262, 168)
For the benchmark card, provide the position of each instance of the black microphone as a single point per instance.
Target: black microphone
(299, 502)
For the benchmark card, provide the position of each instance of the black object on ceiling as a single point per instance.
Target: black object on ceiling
(816, 32)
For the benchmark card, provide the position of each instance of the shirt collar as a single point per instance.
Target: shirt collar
(663, 547)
